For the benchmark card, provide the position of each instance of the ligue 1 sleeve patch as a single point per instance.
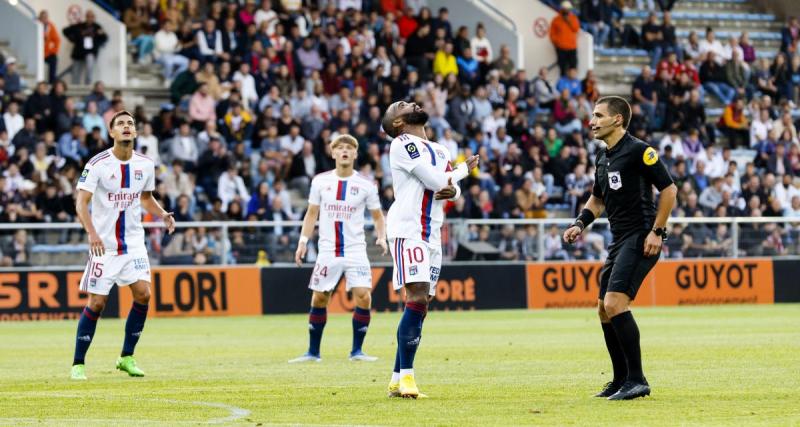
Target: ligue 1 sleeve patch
(650, 156)
(412, 151)
(84, 174)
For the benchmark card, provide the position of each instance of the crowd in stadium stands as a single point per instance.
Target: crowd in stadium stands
(257, 88)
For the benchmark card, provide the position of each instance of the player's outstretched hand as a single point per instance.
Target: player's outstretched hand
(572, 233)
(95, 245)
(300, 254)
(169, 221)
(382, 243)
(446, 193)
(472, 162)
(652, 244)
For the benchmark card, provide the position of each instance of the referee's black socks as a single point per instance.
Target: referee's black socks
(616, 353)
(628, 335)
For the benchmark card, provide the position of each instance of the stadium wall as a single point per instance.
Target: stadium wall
(247, 290)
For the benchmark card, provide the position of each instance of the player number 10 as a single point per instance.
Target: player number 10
(415, 255)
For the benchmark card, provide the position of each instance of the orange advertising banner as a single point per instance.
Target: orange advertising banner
(671, 282)
(718, 281)
(197, 291)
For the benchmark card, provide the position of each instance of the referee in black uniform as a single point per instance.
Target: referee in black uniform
(627, 170)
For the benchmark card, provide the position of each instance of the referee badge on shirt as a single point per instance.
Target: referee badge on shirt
(614, 180)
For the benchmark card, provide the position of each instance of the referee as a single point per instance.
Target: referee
(627, 169)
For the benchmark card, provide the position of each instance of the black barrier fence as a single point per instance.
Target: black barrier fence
(787, 280)
(460, 287)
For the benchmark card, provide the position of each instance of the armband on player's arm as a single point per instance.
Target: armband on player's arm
(585, 218)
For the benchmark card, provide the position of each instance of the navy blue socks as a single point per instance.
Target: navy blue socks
(361, 318)
(133, 327)
(86, 327)
(316, 324)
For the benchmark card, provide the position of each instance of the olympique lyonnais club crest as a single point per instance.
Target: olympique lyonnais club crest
(354, 191)
(137, 174)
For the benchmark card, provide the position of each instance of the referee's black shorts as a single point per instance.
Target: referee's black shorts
(626, 266)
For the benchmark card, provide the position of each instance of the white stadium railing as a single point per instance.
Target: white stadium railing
(455, 232)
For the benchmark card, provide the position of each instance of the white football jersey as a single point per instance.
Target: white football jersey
(116, 188)
(415, 214)
(341, 204)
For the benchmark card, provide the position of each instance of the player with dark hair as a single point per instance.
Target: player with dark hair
(422, 179)
(118, 183)
(338, 198)
(626, 171)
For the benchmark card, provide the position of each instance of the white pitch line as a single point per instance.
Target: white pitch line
(235, 413)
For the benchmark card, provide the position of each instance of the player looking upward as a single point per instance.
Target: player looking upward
(338, 198)
(117, 183)
(422, 179)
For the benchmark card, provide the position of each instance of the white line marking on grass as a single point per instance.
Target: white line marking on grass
(235, 413)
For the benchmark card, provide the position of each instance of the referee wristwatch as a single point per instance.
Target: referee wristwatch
(661, 232)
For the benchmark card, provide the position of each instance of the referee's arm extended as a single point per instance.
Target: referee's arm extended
(596, 206)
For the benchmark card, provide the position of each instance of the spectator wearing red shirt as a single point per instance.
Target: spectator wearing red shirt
(407, 23)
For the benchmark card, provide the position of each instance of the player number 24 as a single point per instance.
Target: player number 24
(321, 270)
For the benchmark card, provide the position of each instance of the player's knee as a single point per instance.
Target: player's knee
(613, 307)
(319, 299)
(142, 296)
(97, 305)
(364, 300)
(601, 311)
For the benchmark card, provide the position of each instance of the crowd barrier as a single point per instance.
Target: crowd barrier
(224, 291)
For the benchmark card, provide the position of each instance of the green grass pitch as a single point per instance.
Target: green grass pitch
(731, 365)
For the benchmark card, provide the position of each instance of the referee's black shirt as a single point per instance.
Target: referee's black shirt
(624, 180)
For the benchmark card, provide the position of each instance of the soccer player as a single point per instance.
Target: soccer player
(117, 183)
(422, 179)
(627, 170)
(338, 198)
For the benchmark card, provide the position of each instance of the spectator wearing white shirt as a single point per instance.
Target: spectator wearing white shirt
(710, 44)
(491, 123)
(231, 186)
(760, 127)
(209, 41)
(785, 191)
(729, 49)
(482, 48)
(184, 147)
(714, 163)
(293, 142)
(499, 141)
(147, 143)
(266, 15)
(673, 139)
(451, 144)
(166, 51)
(381, 58)
(279, 192)
(13, 120)
(248, 86)
(794, 210)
